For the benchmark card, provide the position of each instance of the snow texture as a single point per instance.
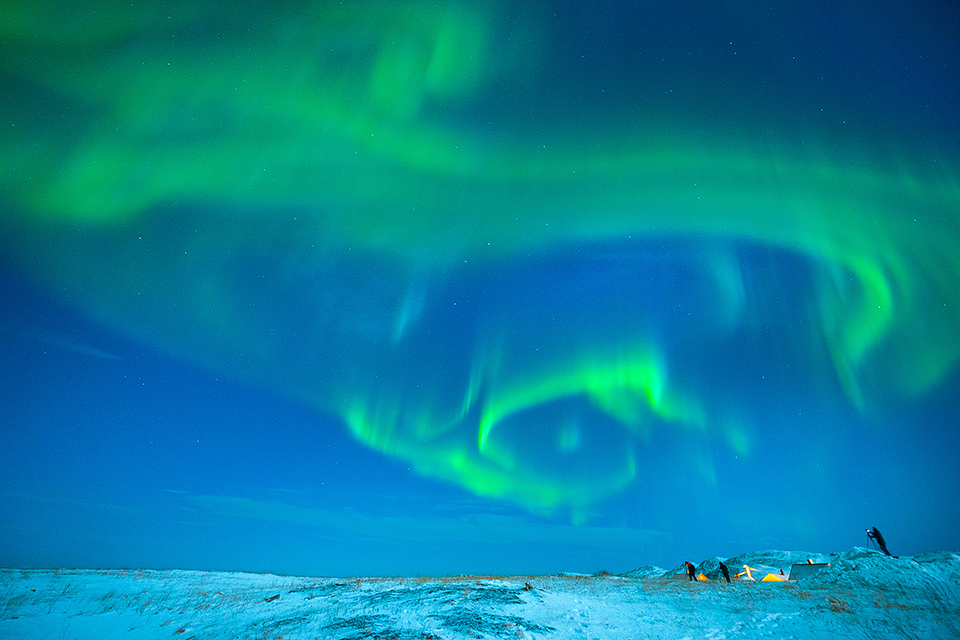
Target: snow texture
(862, 594)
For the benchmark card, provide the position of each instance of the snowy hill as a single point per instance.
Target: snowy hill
(861, 594)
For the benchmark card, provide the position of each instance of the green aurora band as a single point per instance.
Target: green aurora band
(197, 187)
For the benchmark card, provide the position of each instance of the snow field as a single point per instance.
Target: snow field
(861, 595)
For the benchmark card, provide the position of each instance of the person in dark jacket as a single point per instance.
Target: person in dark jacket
(690, 570)
(725, 572)
(875, 535)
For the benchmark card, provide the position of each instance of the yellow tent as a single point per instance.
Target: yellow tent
(770, 577)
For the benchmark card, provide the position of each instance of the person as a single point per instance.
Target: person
(725, 572)
(691, 571)
(875, 535)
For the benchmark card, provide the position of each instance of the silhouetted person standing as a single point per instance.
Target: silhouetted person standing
(725, 572)
(875, 535)
(690, 570)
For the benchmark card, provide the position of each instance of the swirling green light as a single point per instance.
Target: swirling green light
(325, 135)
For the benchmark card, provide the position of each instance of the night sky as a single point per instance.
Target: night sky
(411, 288)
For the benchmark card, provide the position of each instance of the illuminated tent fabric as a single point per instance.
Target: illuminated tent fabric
(770, 577)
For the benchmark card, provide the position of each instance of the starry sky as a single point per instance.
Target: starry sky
(407, 288)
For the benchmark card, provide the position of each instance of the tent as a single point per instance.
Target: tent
(770, 577)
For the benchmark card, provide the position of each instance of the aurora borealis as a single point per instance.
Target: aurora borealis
(534, 253)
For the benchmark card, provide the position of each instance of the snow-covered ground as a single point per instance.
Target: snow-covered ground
(862, 594)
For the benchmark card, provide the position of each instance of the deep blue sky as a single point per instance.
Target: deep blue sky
(110, 447)
(179, 382)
